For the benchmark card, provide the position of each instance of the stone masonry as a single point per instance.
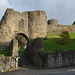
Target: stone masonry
(8, 63)
(53, 28)
(33, 26)
(31, 23)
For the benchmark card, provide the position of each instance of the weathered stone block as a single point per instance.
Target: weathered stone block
(51, 60)
(13, 47)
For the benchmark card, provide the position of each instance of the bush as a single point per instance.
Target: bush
(65, 37)
(73, 23)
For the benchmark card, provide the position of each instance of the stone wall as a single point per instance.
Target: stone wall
(60, 59)
(35, 52)
(13, 48)
(10, 26)
(37, 24)
(31, 23)
(8, 63)
(53, 28)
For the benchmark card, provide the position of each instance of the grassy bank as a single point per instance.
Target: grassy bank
(51, 43)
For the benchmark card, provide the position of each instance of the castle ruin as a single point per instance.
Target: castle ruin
(32, 24)
(53, 28)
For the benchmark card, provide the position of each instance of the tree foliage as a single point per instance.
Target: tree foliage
(73, 23)
(65, 37)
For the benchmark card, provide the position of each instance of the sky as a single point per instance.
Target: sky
(62, 10)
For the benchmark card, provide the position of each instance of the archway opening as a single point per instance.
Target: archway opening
(22, 42)
(22, 45)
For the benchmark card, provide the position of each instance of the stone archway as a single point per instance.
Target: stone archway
(17, 43)
(22, 45)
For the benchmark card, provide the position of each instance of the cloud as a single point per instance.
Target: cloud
(62, 10)
(4, 4)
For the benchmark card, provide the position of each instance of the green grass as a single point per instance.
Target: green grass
(53, 36)
(72, 35)
(51, 44)
(4, 52)
(22, 50)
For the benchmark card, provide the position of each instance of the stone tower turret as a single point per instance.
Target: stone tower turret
(53, 22)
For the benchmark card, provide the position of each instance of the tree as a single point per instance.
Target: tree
(65, 37)
(73, 23)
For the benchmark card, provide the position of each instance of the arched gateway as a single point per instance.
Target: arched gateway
(15, 25)
(19, 41)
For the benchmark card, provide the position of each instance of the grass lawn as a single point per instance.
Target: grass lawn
(4, 52)
(51, 43)
(22, 50)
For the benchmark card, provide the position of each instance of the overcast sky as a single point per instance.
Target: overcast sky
(62, 10)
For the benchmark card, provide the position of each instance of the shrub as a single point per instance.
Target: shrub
(73, 23)
(65, 37)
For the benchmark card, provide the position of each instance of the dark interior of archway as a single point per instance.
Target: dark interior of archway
(22, 45)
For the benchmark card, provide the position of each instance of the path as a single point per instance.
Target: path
(27, 71)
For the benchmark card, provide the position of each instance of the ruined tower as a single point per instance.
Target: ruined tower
(31, 23)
